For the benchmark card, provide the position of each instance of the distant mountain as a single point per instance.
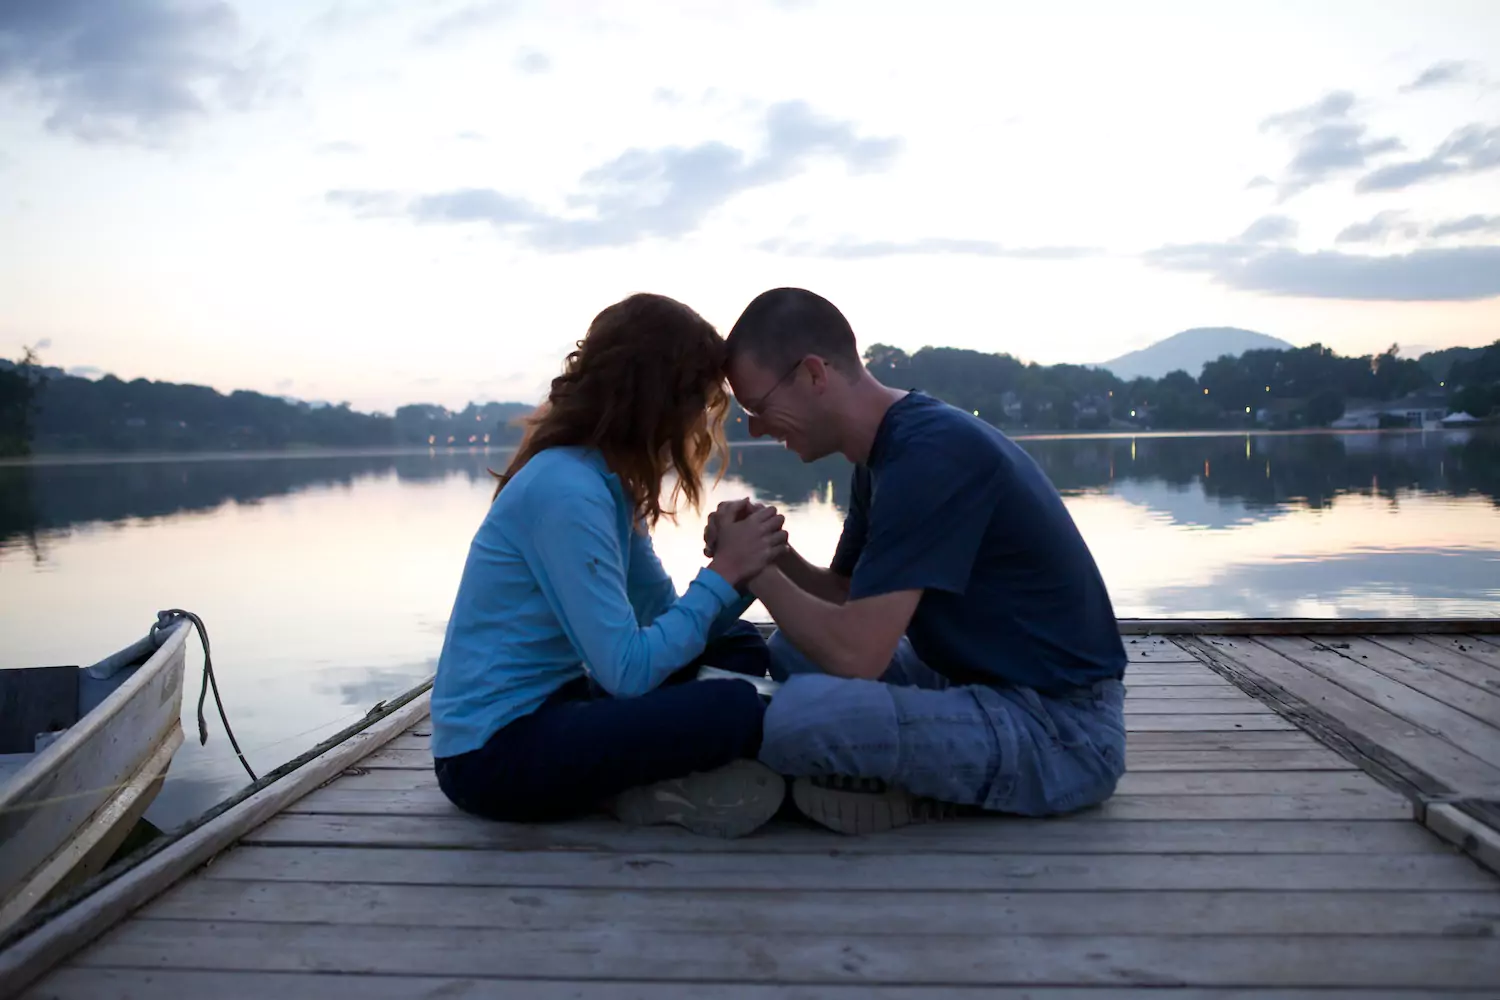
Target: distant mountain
(1189, 351)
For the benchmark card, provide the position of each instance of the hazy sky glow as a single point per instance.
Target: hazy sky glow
(388, 202)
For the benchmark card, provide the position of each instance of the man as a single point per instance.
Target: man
(962, 649)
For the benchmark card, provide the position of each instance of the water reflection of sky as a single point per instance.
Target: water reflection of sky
(326, 583)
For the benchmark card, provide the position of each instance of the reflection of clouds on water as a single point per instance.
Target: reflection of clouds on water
(1452, 582)
(374, 684)
(1187, 506)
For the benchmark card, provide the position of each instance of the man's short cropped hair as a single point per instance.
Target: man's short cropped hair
(784, 325)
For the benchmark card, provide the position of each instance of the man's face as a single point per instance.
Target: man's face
(778, 404)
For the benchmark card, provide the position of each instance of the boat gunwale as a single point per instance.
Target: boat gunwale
(77, 735)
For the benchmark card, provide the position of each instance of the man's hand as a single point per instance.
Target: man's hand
(747, 545)
(727, 512)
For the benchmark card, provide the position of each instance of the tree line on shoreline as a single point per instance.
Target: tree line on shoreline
(45, 411)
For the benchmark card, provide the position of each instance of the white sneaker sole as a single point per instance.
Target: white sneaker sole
(728, 802)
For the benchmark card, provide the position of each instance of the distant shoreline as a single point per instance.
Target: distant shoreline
(126, 457)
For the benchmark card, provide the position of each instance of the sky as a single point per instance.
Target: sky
(388, 202)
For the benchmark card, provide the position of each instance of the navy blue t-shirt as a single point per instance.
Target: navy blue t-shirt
(948, 505)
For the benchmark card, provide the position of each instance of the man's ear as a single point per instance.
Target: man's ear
(817, 371)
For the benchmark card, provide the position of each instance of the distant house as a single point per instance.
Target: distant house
(1424, 410)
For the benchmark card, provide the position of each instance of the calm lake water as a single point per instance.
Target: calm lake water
(326, 581)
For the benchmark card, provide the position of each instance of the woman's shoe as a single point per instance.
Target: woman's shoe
(728, 802)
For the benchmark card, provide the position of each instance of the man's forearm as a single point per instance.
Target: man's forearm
(824, 584)
(811, 623)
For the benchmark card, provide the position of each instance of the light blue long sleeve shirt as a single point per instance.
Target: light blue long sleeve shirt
(559, 583)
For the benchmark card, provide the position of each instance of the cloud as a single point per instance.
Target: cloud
(471, 205)
(1443, 73)
(283, 385)
(366, 204)
(43, 344)
(339, 148)
(1259, 181)
(1388, 225)
(465, 21)
(1472, 149)
(1328, 150)
(1327, 142)
(1269, 229)
(130, 70)
(860, 250)
(471, 136)
(1455, 274)
(1379, 229)
(1483, 224)
(85, 371)
(533, 62)
(1334, 105)
(646, 193)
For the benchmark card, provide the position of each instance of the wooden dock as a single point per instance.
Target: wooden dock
(1305, 815)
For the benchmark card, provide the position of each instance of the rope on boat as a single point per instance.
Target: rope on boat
(165, 620)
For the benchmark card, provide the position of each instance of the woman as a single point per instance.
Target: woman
(552, 693)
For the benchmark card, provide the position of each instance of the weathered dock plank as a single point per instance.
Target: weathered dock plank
(855, 871)
(1450, 656)
(93, 983)
(987, 959)
(1340, 707)
(1352, 669)
(794, 911)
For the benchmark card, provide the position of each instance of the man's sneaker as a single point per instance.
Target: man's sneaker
(729, 801)
(864, 805)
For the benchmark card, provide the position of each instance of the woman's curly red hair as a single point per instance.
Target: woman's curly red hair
(645, 386)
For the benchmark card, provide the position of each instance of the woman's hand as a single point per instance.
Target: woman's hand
(729, 510)
(745, 546)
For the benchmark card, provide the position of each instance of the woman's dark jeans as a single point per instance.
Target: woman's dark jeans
(582, 746)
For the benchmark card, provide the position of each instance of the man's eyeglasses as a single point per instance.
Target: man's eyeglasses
(756, 408)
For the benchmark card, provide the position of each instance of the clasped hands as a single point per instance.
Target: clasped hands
(742, 538)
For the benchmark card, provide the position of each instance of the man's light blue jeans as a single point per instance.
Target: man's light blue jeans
(1006, 749)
